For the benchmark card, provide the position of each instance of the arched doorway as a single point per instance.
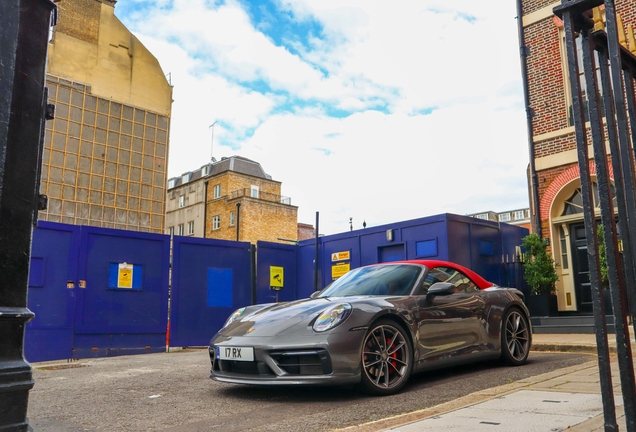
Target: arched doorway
(569, 247)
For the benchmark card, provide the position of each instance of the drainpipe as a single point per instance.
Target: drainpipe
(524, 51)
(205, 209)
(238, 220)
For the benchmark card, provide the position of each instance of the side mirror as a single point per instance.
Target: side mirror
(441, 288)
(315, 294)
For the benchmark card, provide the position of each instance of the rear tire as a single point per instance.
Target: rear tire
(387, 358)
(515, 337)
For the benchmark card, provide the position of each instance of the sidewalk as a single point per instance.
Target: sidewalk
(566, 399)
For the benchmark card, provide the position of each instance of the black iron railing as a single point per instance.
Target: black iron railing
(613, 99)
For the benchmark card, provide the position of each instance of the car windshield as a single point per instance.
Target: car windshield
(379, 280)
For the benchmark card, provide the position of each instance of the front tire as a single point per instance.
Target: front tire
(387, 358)
(515, 337)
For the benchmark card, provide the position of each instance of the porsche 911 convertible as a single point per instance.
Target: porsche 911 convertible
(375, 326)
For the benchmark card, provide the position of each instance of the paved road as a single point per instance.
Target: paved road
(172, 392)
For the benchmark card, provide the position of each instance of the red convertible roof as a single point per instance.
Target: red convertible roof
(479, 281)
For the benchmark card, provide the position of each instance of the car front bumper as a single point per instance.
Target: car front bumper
(317, 360)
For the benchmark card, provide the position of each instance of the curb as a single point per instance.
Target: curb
(473, 398)
(566, 348)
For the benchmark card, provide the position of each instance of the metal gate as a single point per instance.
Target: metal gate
(96, 292)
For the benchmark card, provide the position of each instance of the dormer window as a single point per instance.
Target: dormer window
(186, 178)
(171, 183)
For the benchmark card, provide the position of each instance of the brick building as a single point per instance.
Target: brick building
(230, 199)
(558, 211)
(105, 154)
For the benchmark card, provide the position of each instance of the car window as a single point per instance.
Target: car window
(460, 280)
(378, 280)
(433, 276)
(444, 274)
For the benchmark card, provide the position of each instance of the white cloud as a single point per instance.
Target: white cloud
(438, 123)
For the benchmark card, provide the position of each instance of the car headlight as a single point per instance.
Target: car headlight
(331, 317)
(237, 313)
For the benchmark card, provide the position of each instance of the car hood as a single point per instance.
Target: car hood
(274, 319)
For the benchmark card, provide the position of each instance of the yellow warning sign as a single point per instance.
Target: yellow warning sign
(276, 277)
(125, 277)
(340, 256)
(339, 269)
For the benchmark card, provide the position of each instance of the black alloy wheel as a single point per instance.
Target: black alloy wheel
(515, 337)
(387, 358)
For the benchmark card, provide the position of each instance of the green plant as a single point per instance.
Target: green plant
(539, 269)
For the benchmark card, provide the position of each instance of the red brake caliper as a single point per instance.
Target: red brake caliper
(394, 355)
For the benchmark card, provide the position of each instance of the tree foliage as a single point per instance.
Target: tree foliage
(539, 267)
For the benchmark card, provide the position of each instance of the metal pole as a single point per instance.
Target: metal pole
(316, 255)
(24, 30)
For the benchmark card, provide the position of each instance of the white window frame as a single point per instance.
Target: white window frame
(482, 216)
(254, 191)
(190, 227)
(180, 230)
(232, 218)
(520, 214)
(216, 222)
(217, 191)
(181, 201)
(504, 217)
(171, 183)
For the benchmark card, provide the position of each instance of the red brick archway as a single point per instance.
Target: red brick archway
(558, 183)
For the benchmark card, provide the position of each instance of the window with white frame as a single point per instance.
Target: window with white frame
(232, 216)
(205, 170)
(483, 216)
(217, 191)
(504, 217)
(520, 214)
(186, 178)
(190, 227)
(254, 191)
(180, 229)
(171, 183)
(182, 201)
(216, 222)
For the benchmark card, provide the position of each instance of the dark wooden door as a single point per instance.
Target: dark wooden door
(582, 285)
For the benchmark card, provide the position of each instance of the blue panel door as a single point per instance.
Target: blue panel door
(210, 280)
(122, 302)
(52, 292)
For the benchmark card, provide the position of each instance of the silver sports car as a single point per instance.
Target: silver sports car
(375, 326)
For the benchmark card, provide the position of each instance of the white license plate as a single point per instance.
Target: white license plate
(235, 353)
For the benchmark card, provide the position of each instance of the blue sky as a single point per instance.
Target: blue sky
(380, 111)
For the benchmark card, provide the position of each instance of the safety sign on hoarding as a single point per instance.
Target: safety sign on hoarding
(340, 256)
(339, 269)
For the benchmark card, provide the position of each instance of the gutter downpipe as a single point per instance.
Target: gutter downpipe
(205, 208)
(534, 179)
(238, 220)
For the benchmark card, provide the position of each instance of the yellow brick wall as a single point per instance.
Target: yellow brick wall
(260, 219)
